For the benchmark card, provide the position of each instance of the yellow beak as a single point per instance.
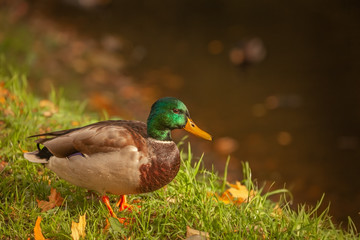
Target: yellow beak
(192, 128)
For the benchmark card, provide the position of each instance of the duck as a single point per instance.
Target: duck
(119, 157)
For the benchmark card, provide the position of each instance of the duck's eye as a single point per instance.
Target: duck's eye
(175, 110)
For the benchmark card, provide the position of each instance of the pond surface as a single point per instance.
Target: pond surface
(294, 116)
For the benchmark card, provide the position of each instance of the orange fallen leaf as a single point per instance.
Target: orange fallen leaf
(3, 93)
(3, 164)
(78, 229)
(54, 200)
(236, 194)
(75, 123)
(37, 230)
(277, 211)
(239, 192)
(225, 198)
(23, 150)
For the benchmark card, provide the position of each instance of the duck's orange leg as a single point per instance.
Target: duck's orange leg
(106, 201)
(122, 204)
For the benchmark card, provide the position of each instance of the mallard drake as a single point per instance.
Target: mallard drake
(119, 156)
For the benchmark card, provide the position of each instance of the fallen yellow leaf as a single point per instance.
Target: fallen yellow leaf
(37, 230)
(54, 200)
(239, 191)
(277, 211)
(78, 229)
(236, 194)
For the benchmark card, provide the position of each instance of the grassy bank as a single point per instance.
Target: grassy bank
(194, 199)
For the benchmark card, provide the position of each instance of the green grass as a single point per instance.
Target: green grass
(164, 214)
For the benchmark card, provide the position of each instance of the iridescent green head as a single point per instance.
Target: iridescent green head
(170, 113)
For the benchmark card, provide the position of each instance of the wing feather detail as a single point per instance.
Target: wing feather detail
(106, 136)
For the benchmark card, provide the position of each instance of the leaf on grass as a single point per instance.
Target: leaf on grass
(277, 211)
(3, 164)
(78, 229)
(37, 230)
(236, 194)
(75, 123)
(239, 192)
(54, 200)
(192, 232)
(5, 97)
(23, 150)
(49, 108)
(3, 93)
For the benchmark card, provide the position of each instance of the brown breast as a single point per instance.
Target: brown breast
(164, 164)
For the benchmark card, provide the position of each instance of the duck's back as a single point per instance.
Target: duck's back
(100, 137)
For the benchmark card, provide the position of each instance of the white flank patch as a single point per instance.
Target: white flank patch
(114, 172)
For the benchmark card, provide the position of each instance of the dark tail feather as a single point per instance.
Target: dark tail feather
(50, 135)
(44, 153)
(54, 134)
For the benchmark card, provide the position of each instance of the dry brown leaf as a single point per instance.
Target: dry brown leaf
(78, 229)
(191, 232)
(54, 200)
(37, 230)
